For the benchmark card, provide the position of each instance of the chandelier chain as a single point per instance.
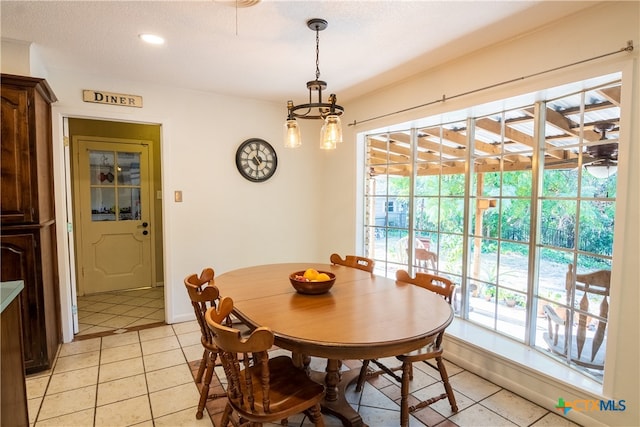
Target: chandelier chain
(317, 54)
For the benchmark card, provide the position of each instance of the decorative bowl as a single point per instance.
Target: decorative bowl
(312, 288)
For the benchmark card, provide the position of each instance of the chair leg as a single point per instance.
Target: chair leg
(404, 394)
(445, 380)
(224, 422)
(315, 415)
(204, 392)
(363, 375)
(203, 364)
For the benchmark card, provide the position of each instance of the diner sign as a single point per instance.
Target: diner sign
(100, 97)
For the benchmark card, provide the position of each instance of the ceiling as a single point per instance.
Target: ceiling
(266, 51)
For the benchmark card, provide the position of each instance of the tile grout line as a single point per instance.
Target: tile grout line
(95, 406)
(146, 381)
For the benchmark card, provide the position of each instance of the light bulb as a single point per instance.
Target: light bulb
(331, 132)
(292, 134)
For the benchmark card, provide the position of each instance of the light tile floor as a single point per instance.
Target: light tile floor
(109, 311)
(145, 378)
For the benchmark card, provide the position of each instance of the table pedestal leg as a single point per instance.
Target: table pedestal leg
(335, 401)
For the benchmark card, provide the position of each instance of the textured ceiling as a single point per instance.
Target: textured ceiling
(266, 51)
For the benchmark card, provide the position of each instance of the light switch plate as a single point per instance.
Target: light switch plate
(177, 196)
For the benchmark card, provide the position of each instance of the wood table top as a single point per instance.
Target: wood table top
(363, 316)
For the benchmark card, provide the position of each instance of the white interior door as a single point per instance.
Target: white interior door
(113, 210)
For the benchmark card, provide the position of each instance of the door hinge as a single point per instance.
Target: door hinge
(65, 141)
(69, 227)
(74, 310)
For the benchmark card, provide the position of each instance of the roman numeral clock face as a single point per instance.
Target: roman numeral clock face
(256, 160)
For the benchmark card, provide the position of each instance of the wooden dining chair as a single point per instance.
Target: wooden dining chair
(432, 350)
(204, 295)
(562, 333)
(260, 389)
(354, 261)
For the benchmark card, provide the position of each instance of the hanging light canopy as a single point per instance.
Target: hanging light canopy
(330, 112)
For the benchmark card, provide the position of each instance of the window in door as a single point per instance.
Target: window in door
(115, 186)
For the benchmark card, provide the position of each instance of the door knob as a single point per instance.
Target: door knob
(145, 224)
(145, 232)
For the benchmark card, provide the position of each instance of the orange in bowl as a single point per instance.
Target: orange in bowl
(323, 281)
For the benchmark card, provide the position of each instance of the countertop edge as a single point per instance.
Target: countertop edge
(9, 291)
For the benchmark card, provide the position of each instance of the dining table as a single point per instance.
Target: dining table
(362, 316)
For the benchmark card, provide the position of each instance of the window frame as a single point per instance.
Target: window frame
(531, 290)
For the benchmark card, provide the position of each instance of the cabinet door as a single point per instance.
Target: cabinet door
(18, 198)
(13, 392)
(19, 262)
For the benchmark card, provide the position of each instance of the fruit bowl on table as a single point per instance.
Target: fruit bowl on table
(310, 286)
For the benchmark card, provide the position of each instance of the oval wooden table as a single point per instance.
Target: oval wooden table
(363, 316)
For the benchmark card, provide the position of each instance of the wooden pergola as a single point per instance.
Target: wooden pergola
(443, 149)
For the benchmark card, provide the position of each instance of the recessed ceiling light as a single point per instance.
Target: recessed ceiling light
(152, 38)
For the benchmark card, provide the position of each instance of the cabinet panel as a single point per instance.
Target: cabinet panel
(20, 262)
(27, 181)
(13, 392)
(17, 198)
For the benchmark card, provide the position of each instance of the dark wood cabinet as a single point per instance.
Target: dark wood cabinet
(27, 233)
(13, 390)
(27, 182)
(26, 255)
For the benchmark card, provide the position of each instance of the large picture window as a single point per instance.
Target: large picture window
(516, 206)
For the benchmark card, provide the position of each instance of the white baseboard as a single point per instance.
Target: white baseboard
(183, 318)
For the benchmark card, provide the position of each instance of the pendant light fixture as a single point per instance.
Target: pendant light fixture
(605, 163)
(330, 112)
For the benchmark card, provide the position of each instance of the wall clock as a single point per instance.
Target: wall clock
(256, 160)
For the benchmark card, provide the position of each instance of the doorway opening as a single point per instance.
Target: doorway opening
(116, 203)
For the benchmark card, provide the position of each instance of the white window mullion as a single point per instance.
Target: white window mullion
(469, 162)
(537, 165)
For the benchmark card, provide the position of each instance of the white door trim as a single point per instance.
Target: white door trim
(61, 166)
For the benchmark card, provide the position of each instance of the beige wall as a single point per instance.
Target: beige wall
(15, 57)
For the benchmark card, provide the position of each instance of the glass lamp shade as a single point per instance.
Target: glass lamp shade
(292, 134)
(331, 132)
(602, 171)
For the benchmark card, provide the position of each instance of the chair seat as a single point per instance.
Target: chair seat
(290, 390)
